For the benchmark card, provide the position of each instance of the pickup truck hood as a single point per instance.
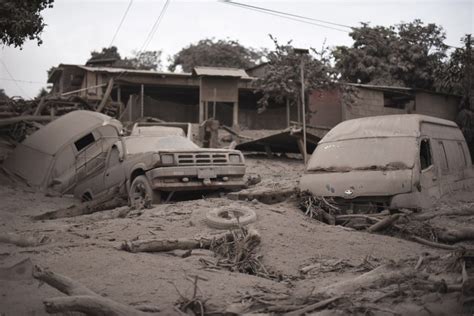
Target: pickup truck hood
(357, 183)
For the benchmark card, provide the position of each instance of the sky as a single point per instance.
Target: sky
(77, 27)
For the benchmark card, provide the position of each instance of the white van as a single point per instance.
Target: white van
(65, 151)
(391, 161)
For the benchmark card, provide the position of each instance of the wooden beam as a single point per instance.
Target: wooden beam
(235, 116)
(142, 99)
(105, 97)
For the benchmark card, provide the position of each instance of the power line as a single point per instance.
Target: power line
(150, 34)
(285, 13)
(121, 22)
(25, 81)
(13, 79)
(154, 28)
(282, 15)
(298, 18)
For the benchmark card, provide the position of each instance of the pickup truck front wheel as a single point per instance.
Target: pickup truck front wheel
(141, 193)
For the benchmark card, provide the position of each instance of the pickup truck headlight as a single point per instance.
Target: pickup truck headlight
(167, 159)
(234, 158)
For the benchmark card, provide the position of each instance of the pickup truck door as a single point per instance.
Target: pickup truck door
(115, 173)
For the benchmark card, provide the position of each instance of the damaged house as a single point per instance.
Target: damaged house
(228, 95)
(223, 93)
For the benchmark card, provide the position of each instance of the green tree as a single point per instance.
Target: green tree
(42, 93)
(147, 60)
(3, 95)
(282, 78)
(106, 53)
(212, 53)
(406, 54)
(21, 20)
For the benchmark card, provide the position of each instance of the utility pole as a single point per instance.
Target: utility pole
(468, 72)
(302, 52)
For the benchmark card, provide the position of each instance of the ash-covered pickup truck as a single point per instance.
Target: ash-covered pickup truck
(145, 166)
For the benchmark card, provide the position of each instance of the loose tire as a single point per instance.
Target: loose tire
(225, 218)
(141, 193)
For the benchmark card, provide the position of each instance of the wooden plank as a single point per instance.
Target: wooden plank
(105, 98)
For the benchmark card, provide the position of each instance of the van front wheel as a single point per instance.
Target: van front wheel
(142, 194)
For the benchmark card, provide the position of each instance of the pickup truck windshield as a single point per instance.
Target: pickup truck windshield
(387, 153)
(143, 144)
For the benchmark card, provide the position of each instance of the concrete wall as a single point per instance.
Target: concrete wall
(171, 111)
(272, 118)
(359, 103)
(437, 105)
(324, 108)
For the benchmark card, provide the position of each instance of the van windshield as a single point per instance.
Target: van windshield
(365, 154)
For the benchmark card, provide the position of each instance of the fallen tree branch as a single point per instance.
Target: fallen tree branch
(106, 203)
(313, 307)
(428, 216)
(16, 119)
(81, 299)
(387, 273)
(161, 245)
(433, 244)
(21, 241)
(384, 223)
(455, 235)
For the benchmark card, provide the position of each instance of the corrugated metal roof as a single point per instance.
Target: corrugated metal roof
(220, 72)
(397, 89)
(401, 125)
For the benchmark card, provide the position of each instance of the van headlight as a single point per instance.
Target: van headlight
(234, 158)
(167, 159)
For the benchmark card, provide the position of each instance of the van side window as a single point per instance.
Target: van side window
(443, 158)
(425, 154)
(84, 142)
(463, 154)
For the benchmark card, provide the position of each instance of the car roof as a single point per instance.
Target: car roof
(401, 125)
(69, 127)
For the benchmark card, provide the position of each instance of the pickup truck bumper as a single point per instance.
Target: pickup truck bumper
(188, 178)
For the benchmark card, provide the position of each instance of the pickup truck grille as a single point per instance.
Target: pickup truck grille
(201, 158)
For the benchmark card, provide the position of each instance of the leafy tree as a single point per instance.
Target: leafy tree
(21, 20)
(106, 53)
(147, 60)
(453, 75)
(211, 53)
(282, 79)
(406, 54)
(42, 93)
(3, 95)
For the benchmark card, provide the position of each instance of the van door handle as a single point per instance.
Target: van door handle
(435, 178)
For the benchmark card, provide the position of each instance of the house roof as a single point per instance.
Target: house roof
(114, 70)
(220, 72)
(396, 89)
(401, 125)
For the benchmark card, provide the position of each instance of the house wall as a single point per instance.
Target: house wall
(357, 103)
(171, 111)
(442, 106)
(271, 118)
(364, 102)
(324, 108)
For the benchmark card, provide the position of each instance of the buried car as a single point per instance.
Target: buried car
(146, 166)
(65, 151)
(392, 161)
